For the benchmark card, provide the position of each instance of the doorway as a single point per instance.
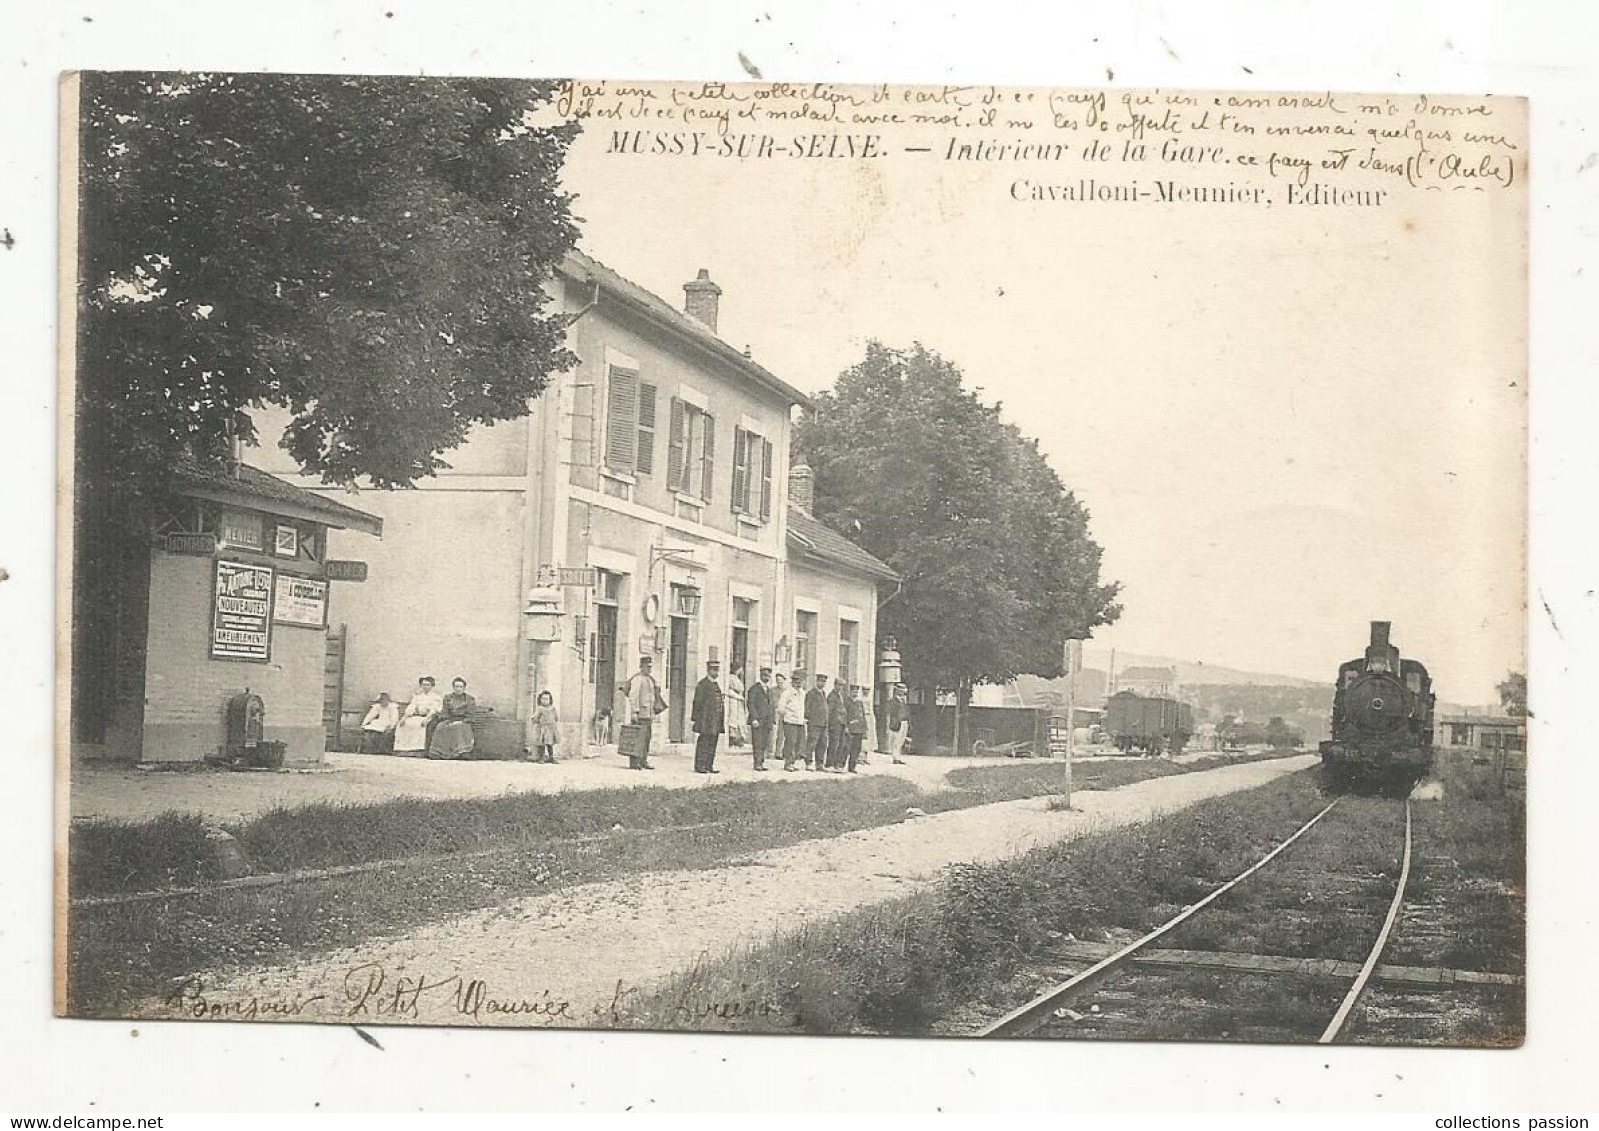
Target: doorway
(604, 667)
(677, 680)
(738, 653)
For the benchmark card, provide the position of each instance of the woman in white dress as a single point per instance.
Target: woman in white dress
(411, 736)
(737, 709)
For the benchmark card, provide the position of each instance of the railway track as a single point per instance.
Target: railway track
(1044, 1011)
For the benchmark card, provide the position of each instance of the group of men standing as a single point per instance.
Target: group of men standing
(813, 727)
(822, 729)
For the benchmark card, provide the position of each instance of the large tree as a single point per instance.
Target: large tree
(369, 254)
(365, 252)
(999, 569)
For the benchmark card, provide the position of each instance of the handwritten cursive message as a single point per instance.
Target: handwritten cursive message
(1081, 146)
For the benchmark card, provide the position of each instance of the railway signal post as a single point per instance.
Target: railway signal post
(1073, 663)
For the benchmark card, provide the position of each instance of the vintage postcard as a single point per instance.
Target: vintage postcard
(794, 558)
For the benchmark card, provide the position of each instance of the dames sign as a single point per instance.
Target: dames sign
(241, 616)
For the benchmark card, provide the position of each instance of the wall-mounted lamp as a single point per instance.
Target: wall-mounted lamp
(688, 594)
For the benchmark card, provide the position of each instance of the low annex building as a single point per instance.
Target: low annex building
(644, 506)
(228, 599)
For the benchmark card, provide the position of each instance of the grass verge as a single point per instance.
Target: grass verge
(899, 966)
(118, 954)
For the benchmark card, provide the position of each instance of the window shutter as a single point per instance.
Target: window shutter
(708, 462)
(621, 420)
(646, 429)
(675, 461)
(766, 480)
(741, 478)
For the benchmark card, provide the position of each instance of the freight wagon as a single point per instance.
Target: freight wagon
(1152, 725)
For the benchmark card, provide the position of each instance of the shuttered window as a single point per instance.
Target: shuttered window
(741, 471)
(646, 430)
(621, 420)
(708, 457)
(677, 447)
(766, 480)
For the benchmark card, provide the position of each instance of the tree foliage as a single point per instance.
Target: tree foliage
(998, 565)
(1513, 694)
(367, 253)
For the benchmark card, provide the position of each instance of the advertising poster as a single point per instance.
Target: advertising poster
(241, 616)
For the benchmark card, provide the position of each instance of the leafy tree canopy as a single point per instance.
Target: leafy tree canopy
(1513, 694)
(367, 253)
(998, 565)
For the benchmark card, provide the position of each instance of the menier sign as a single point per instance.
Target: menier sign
(241, 613)
(300, 600)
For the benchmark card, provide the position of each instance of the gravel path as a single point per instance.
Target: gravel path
(126, 794)
(575, 945)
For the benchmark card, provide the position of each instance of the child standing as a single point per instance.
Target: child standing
(541, 728)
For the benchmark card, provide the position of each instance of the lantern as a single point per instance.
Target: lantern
(888, 669)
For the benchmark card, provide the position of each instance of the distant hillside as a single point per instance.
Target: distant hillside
(1196, 672)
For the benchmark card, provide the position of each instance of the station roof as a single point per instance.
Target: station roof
(586, 269)
(817, 540)
(258, 490)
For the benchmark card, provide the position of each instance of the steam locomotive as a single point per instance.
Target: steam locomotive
(1381, 720)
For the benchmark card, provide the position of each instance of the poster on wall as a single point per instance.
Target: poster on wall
(241, 615)
(301, 601)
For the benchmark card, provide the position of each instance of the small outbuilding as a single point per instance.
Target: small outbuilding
(218, 635)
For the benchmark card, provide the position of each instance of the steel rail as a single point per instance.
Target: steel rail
(1330, 1035)
(1035, 1013)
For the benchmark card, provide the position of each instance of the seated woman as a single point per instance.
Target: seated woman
(452, 736)
(411, 735)
(377, 729)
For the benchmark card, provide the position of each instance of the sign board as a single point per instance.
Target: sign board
(583, 577)
(191, 544)
(241, 612)
(241, 530)
(300, 600)
(285, 541)
(1074, 657)
(346, 571)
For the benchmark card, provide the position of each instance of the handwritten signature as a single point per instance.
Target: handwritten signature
(371, 991)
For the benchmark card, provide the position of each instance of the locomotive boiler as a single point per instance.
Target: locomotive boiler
(1381, 719)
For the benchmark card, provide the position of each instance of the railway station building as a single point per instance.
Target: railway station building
(649, 504)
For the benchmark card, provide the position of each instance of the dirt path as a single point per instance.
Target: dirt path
(125, 794)
(575, 945)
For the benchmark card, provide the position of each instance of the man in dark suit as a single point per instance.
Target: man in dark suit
(837, 722)
(855, 728)
(762, 699)
(816, 725)
(709, 718)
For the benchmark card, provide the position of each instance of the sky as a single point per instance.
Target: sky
(1284, 424)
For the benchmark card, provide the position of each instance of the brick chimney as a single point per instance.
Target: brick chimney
(701, 298)
(801, 486)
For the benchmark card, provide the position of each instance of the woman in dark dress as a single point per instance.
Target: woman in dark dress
(453, 737)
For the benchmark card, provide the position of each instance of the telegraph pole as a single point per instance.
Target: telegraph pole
(1073, 662)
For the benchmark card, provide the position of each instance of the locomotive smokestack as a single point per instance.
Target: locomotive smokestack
(1379, 633)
